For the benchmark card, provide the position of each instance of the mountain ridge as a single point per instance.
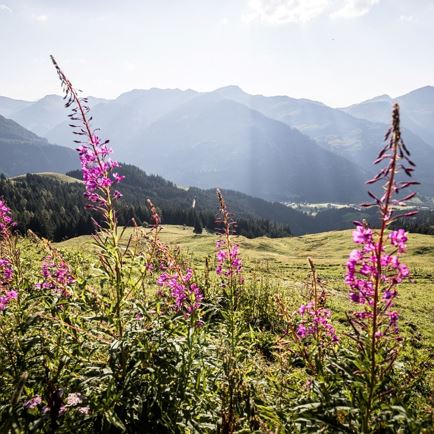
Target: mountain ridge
(155, 128)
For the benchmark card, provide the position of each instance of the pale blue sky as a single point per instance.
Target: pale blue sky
(335, 51)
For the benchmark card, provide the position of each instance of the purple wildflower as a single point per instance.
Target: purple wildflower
(74, 399)
(399, 238)
(186, 295)
(315, 321)
(7, 294)
(57, 277)
(362, 235)
(363, 270)
(301, 331)
(33, 402)
(6, 221)
(228, 261)
(84, 410)
(97, 170)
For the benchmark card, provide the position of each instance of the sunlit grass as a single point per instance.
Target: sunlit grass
(283, 261)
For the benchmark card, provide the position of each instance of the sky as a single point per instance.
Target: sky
(335, 51)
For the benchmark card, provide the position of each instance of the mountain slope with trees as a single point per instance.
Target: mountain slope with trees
(22, 151)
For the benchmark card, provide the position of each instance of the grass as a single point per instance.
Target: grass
(283, 261)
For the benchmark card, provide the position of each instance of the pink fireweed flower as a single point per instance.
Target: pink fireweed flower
(33, 402)
(372, 276)
(97, 168)
(7, 294)
(362, 235)
(229, 262)
(6, 298)
(155, 217)
(57, 277)
(6, 272)
(398, 239)
(84, 410)
(6, 221)
(311, 322)
(74, 399)
(301, 331)
(367, 266)
(186, 295)
(362, 271)
(315, 322)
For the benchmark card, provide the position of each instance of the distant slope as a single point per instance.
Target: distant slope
(45, 114)
(327, 249)
(208, 142)
(357, 140)
(56, 209)
(53, 206)
(50, 175)
(417, 111)
(120, 119)
(138, 186)
(8, 106)
(21, 151)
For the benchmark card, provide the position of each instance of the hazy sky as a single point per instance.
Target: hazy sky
(335, 51)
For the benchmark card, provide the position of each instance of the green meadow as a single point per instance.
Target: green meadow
(283, 262)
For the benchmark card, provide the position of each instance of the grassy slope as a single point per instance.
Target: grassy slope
(283, 260)
(53, 175)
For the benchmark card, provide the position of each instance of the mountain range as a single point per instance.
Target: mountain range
(276, 148)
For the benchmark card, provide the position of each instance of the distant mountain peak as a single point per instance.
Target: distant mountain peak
(134, 94)
(379, 98)
(51, 96)
(231, 90)
(49, 100)
(427, 88)
(422, 95)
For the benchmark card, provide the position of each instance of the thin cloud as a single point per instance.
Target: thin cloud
(284, 11)
(41, 18)
(354, 8)
(5, 8)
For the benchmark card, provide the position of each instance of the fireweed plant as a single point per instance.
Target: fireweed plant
(310, 327)
(183, 295)
(8, 257)
(374, 272)
(169, 323)
(236, 384)
(99, 177)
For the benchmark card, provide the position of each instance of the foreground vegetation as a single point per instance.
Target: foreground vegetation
(131, 333)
